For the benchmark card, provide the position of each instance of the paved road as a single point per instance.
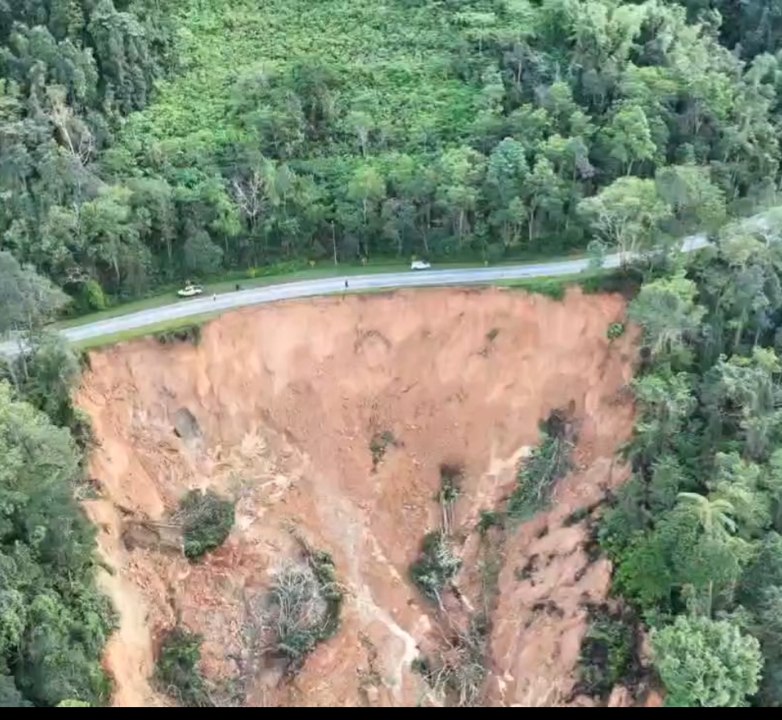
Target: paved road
(330, 286)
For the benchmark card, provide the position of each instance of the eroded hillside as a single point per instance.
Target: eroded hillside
(282, 409)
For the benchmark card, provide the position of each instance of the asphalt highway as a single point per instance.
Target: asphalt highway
(180, 309)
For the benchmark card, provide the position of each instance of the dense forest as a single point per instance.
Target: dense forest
(53, 621)
(696, 534)
(145, 140)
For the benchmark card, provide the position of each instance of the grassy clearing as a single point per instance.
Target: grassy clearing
(590, 282)
(156, 329)
(553, 288)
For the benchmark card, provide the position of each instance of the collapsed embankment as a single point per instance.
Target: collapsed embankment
(280, 408)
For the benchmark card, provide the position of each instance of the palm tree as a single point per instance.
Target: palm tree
(714, 514)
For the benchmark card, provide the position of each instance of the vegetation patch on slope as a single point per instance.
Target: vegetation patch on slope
(437, 565)
(177, 673)
(302, 608)
(187, 333)
(438, 562)
(206, 520)
(546, 464)
(456, 670)
(608, 652)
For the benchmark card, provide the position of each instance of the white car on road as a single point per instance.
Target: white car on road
(420, 265)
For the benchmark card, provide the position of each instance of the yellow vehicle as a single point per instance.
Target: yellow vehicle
(190, 290)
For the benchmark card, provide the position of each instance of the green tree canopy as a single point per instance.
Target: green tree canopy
(706, 663)
(53, 623)
(27, 299)
(626, 214)
(667, 311)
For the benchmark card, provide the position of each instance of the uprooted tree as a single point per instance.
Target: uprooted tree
(301, 609)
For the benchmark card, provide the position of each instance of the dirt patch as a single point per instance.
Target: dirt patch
(288, 399)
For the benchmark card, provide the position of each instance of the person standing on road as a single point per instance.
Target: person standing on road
(346, 284)
(214, 297)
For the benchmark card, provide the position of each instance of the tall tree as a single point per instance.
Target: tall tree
(368, 188)
(27, 299)
(629, 137)
(669, 315)
(505, 174)
(626, 214)
(714, 514)
(706, 663)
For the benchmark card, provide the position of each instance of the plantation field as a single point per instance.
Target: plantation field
(390, 61)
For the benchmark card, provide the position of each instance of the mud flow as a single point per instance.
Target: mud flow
(354, 429)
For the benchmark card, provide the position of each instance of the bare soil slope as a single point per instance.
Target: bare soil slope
(277, 407)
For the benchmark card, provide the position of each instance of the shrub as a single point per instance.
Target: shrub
(596, 252)
(283, 268)
(188, 333)
(489, 519)
(606, 654)
(80, 426)
(465, 671)
(379, 444)
(206, 519)
(450, 479)
(626, 282)
(436, 566)
(93, 295)
(577, 516)
(422, 667)
(495, 252)
(177, 674)
(317, 252)
(615, 331)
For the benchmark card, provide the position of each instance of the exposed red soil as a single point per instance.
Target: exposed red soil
(286, 400)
